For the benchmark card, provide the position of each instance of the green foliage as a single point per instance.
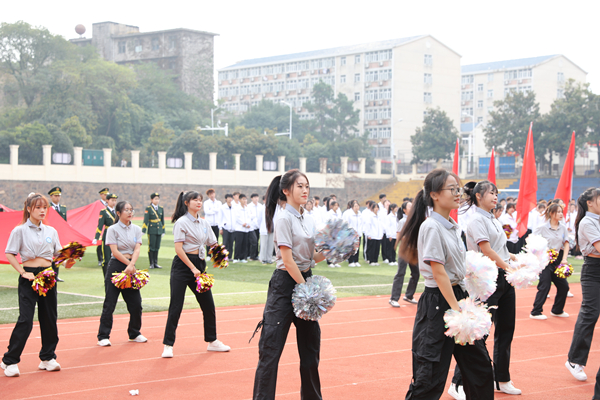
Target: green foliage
(76, 132)
(61, 143)
(436, 140)
(30, 138)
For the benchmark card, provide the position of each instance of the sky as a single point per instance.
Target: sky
(480, 31)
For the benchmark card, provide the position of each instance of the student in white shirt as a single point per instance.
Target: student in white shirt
(212, 211)
(353, 217)
(331, 215)
(254, 207)
(509, 218)
(226, 223)
(390, 233)
(242, 228)
(374, 232)
(338, 211)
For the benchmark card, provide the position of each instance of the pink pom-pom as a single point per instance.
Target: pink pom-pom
(481, 276)
(525, 271)
(472, 322)
(538, 246)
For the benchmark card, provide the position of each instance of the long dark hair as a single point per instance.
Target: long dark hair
(434, 182)
(275, 193)
(590, 194)
(402, 210)
(473, 188)
(391, 207)
(181, 207)
(553, 209)
(119, 209)
(32, 200)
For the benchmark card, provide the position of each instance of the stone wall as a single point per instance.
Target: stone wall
(77, 194)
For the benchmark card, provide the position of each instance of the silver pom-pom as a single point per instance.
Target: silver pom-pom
(313, 298)
(337, 240)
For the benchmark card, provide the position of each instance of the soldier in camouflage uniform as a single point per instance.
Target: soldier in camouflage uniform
(154, 224)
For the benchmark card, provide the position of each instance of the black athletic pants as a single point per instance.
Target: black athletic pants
(354, 258)
(385, 248)
(588, 313)
(228, 242)
(547, 277)
(373, 246)
(215, 229)
(241, 245)
(503, 318)
(99, 252)
(277, 318)
(132, 298)
(253, 244)
(513, 248)
(106, 256)
(432, 353)
(182, 278)
(47, 314)
(399, 280)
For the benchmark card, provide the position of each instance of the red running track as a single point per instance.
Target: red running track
(365, 354)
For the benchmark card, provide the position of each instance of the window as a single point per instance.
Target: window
(291, 85)
(428, 60)
(155, 44)
(479, 103)
(480, 87)
(479, 120)
(356, 77)
(427, 79)
(524, 73)
(357, 96)
(267, 87)
(343, 61)
(490, 93)
(560, 93)
(291, 67)
(278, 69)
(61, 158)
(560, 77)
(385, 133)
(490, 109)
(385, 94)
(466, 79)
(357, 59)
(466, 96)
(174, 162)
(138, 46)
(270, 165)
(172, 42)
(467, 111)
(172, 65)
(380, 56)
(122, 47)
(342, 78)
(490, 77)
(427, 98)
(303, 65)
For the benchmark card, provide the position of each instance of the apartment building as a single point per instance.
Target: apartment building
(482, 84)
(392, 83)
(187, 53)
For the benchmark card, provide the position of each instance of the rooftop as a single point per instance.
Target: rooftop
(336, 51)
(507, 64)
(164, 31)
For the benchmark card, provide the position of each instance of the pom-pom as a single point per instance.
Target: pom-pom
(472, 322)
(337, 240)
(44, 281)
(219, 255)
(508, 230)
(204, 282)
(564, 270)
(71, 252)
(135, 281)
(481, 276)
(538, 246)
(524, 272)
(552, 255)
(313, 298)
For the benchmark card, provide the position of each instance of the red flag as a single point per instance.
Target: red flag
(564, 190)
(454, 213)
(528, 186)
(492, 169)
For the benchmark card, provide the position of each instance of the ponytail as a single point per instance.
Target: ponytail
(181, 207)
(275, 193)
(434, 182)
(402, 210)
(119, 209)
(391, 208)
(473, 188)
(590, 194)
(32, 201)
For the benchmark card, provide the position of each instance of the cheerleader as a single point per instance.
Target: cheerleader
(353, 217)
(242, 229)
(486, 235)
(294, 238)
(390, 233)
(398, 283)
(191, 235)
(435, 244)
(374, 232)
(125, 240)
(558, 239)
(37, 244)
(587, 237)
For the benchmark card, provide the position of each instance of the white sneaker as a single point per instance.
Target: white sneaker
(540, 316)
(167, 352)
(374, 264)
(561, 315)
(569, 294)
(50, 365)
(10, 370)
(394, 263)
(576, 370)
(458, 394)
(386, 261)
(217, 345)
(139, 339)
(357, 265)
(394, 303)
(244, 261)
(508, 388)
(338, 266)
(331, 265)
(413, 301)
(351, 265)
(236, 261)
(104, 342)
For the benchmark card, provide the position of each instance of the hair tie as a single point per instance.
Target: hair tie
(424, 191)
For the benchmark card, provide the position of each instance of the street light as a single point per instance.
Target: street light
(393, 153)
(290, 132)
(470, 141)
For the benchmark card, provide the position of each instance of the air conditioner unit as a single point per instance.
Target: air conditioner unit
(506, 82)
(367, 84)
(230, 98)
(367, 66)
(463, 119)
(230, 81)
(264, 95)
(381, 63)
(380, 122)
(366, 122)
(276, 94)
(380, 102)
(287, 92)
(367, 103)
(462, 103)
(380, 83)
(274, 76)
(299, 109)
(380, 140)
(520, 80)
(312, 72)
(463, 86)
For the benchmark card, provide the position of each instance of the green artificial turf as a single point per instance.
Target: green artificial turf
(81, 294)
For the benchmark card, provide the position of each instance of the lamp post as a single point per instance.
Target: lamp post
(290, 132)
(470, 140)
(392, 151)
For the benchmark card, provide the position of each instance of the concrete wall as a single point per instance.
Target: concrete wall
(545, 80)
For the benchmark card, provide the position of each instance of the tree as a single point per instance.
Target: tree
(436, 139)
(335, 117)
(61, 143)
(76, 132)
(508, 124)
(272, 116)
(30, 138)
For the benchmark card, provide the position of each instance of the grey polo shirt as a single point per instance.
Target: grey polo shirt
(124, 236)
(588, 234)
(194, 233)
(484, 227)
(31, 241)
(556, 237)
(295, 231)
(439, 241)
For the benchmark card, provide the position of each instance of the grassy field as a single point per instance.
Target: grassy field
(82, 293)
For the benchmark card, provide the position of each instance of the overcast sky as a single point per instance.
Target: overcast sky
(480, 31)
